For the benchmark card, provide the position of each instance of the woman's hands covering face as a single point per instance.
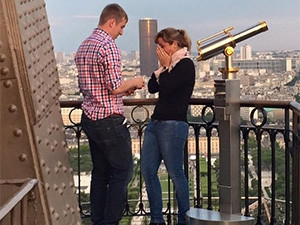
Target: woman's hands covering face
(163, 57)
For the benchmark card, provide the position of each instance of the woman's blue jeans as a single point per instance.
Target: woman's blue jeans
(110, 146)
(165, 140)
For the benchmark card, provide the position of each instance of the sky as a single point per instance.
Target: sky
(71, 21)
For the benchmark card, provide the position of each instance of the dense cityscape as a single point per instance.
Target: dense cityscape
(276, 78)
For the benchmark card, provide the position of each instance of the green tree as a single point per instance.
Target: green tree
(85, 158)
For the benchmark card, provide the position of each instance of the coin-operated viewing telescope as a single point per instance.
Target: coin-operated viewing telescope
(227, 112)
(224, 42)
(214, 45)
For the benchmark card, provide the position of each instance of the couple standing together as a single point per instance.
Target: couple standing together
(98, 61)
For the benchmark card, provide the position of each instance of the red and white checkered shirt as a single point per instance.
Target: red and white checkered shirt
(98, 61)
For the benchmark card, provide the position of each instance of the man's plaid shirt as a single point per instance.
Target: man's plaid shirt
(98, 61)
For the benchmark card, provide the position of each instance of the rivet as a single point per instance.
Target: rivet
(47, 186)
(68, 206)
(12, 108)
(7, 84)
(59, 163)
(71, 184)
(52, 210)
(64, 186)
(2, 57)
(52, 148)
(72, 210)
(60, 191)
(55, 187)
(48, 170)
(18, 132)
(65, 213)
(4, 71)
(32, 196)
(23, 157)
(56, 169)
(56, 215)
(47, 142)
(43, 163)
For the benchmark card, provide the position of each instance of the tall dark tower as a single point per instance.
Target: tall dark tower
(148, 58)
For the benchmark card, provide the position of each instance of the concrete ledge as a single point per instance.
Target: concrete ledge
(208, 217)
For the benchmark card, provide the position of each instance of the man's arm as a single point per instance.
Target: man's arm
(129, 86)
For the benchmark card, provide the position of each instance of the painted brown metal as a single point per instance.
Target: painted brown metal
(32, 136)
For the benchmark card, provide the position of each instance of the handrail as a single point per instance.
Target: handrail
(196, 101)
(26, 187)
(295, 106)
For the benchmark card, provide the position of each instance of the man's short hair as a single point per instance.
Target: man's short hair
(112, 11)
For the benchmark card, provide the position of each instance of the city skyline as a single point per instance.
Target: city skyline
(72, 21)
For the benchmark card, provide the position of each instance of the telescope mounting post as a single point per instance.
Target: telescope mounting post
(227, 112)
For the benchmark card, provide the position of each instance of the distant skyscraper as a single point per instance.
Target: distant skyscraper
(245, 52)
(148, 58)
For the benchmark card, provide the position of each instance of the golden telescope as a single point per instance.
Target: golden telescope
(214, 45)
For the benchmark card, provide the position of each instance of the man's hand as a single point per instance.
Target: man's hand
(139, 82)
(129, 86)
(129, 92)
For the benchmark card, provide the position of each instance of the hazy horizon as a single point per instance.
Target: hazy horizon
(71, 21)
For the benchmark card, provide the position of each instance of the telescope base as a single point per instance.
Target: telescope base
(208, 217)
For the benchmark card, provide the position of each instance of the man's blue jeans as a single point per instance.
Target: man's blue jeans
(110, 146)
(165, 140)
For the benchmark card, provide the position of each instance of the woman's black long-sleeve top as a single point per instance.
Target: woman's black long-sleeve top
(175, 89)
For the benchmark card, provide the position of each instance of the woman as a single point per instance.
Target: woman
(167, 132)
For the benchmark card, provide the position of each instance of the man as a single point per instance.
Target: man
(98, 61)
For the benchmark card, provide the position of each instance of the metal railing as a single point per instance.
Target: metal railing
(265, 202)
(15, 209)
